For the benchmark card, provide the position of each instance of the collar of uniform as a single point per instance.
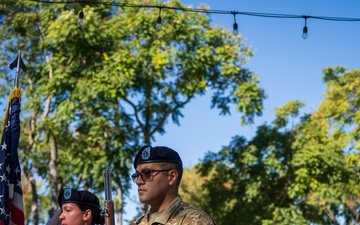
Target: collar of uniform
(166, 214)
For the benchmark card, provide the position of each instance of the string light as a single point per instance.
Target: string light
(159, 20)
(305, 29)
(80, 20)
(235, 25)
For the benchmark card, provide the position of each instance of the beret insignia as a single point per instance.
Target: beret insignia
(146, 153)
(67, 193)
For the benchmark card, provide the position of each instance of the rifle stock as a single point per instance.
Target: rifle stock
(109, 216)
(109, 204)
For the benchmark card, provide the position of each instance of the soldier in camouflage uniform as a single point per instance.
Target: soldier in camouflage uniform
(158, 174)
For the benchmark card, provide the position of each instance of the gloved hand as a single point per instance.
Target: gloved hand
(55, 220)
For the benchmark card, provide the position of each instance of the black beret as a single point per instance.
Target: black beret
(70, 195)
(148, 154)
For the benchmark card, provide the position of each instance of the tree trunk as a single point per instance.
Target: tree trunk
(28, 174)
(34, 197)
(34, 201)
(53, 177)
(120, 195)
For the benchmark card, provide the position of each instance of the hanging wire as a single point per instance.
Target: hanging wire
(235, 25)
(258, 14)
(159, 20)
(80, 20)
(234, 13)
(305, 29)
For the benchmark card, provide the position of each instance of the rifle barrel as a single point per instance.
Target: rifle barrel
(107, 184)
(109, 205)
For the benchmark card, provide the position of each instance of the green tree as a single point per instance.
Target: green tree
(191, 188)
(328, 165)
(299, 173)
(95, 93)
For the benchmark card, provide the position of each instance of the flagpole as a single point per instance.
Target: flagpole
(19, 64)
(16, 81)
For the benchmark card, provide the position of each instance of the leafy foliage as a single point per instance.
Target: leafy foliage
(306, 173)
(95, 93)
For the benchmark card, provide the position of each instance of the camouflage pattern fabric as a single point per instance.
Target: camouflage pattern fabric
(178, 213)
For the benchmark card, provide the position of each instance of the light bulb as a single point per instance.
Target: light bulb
(158, 23)
(80, 20)
(235, 29)
(305, 32)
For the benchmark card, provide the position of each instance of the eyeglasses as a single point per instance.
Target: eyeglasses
(145, 174)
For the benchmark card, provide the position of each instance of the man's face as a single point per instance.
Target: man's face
(153, 183)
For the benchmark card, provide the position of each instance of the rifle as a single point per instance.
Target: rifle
(109, 204)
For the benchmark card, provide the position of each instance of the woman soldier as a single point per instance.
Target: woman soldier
(78, 207)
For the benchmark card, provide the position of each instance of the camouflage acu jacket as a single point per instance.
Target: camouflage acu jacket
(178, 213)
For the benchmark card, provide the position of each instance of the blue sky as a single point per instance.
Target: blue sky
(289, 68)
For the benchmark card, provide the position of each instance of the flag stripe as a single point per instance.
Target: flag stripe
(17, 215)
(18, 201)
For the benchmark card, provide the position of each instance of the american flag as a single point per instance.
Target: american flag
(11, 199)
